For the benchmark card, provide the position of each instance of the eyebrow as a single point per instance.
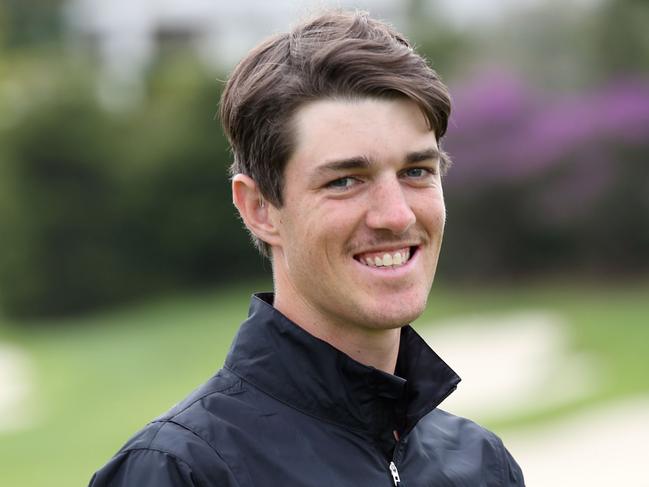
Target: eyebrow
(363, 162)
(422, 155)
(359, 162)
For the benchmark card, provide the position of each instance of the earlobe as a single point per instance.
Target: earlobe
(255, 211)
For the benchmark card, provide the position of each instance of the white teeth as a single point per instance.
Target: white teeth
(387, 260)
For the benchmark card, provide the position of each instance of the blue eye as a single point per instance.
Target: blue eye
(415, 172)
(418, 172)
(342, 183)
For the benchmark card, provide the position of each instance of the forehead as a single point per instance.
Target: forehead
(376, 128)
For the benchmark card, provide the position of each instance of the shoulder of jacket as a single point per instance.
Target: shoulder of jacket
(165, 446)
(186, 441)
(451, 424)
(462, 431)
(181, 427)
(162, 465)
(224, 382)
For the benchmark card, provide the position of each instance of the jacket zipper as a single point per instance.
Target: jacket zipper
(396, 454)
(395, 474)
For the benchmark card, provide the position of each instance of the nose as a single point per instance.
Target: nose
(389, 208)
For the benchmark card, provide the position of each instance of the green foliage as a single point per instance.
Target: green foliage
(99, 378)
(57, 227)
(99, 208)
(621, 38)
(29, 22)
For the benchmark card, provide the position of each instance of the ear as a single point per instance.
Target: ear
(254, 210)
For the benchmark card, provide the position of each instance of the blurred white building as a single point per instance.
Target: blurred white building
(127, 34)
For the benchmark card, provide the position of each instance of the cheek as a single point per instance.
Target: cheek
(433, 214)
(442, 217)
(338, 218)
(440, 209)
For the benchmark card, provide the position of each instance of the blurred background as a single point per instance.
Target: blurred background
(124, 271)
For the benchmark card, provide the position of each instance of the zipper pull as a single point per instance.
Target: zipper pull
(395, 474)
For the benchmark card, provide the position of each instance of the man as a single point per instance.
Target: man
(335, 129)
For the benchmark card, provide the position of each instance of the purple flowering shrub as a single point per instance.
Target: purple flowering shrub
(546, 183)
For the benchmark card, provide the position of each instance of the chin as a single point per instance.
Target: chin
(397, 316)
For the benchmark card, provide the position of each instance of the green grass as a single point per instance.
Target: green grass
(100, 378)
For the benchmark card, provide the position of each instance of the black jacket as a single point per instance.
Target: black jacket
(288, 409)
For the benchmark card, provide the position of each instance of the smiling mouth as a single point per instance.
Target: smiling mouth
(387, 259)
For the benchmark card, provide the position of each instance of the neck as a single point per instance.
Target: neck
(377, 348)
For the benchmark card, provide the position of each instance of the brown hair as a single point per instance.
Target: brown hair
(335, 55)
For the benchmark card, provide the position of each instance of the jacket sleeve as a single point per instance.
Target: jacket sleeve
(513, 475)
(154, 468)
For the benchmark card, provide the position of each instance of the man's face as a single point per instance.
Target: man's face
(360, 230)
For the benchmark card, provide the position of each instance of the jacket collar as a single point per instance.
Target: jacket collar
(283, 360)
